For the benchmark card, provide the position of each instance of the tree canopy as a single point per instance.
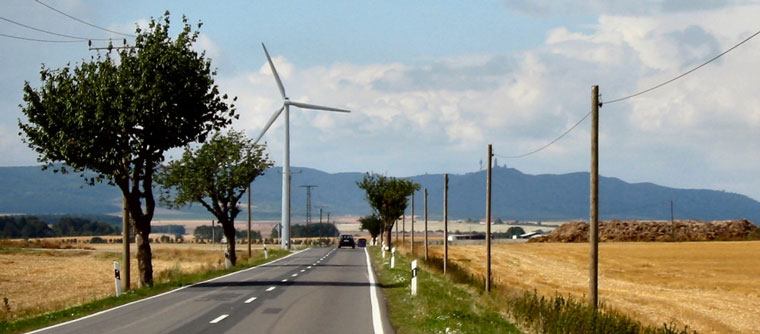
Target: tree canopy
(371, 224)
(216, 175)
(388, 198)
(117, 118)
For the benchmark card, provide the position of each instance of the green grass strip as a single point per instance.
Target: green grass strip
(440, 306)
(97, 305)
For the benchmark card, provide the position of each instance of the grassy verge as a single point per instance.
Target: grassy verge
(177, 279)
(441, 306)
(558, 314)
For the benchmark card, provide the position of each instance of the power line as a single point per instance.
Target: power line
(50, 32)
(547, 145)
(40, 40)
(687, 72)
(81, 21)
(631, 96)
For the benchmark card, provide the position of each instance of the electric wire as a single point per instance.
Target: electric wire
(82, 21)
(41, 40)
(50, 32)
(547, 145)
(632, 96)
(685, 73)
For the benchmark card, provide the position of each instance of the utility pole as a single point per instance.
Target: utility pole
(426, 226)
(125, 269)
(403, 228)
(445, 221)
(594, 196)
(308, 202)
(488, 220)
(213, 233)
(672, 222)
(412, 245)
(249, 221)
(320, 215)
(396, 231)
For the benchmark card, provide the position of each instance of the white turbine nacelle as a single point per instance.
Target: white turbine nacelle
(286, 103)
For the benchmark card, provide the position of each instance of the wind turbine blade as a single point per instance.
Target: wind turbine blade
(271, 120)
(274, 71)
(314, 106)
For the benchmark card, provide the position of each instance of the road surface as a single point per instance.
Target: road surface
(317, 290)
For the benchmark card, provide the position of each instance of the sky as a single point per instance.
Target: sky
(432, 83)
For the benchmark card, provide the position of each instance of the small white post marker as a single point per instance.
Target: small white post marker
(414, 278)
(266, 252)
(382, 249)
(393, 257)
(117, 274)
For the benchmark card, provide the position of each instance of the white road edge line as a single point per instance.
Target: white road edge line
(376, 321)
(250, 300)
(219, 318)
(161, 294)
(271, 288)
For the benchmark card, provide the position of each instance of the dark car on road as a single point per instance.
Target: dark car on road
(346, 240)
(362, 242)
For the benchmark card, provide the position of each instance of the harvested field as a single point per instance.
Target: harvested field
(39, 280)
(710, 286)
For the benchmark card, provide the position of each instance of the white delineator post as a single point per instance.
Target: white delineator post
(266, 252)
(393, 257)
(414, 278)
(383, 249)
(117, 275)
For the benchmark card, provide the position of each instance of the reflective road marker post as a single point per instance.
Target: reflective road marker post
(414, 278)
(117, 275)
(393, 257)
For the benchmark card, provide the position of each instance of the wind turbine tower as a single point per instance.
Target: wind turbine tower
(286, 103)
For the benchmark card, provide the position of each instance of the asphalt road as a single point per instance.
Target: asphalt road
(318, 290)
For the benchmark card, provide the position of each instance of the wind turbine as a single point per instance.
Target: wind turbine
(286, 103)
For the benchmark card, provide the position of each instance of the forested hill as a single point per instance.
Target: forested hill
(515, 196)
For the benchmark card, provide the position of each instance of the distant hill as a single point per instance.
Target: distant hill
(516, 196)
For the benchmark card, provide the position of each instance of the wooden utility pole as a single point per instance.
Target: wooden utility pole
(672, 223)
(412, 244)
(125, 267)
(403, 229)
(594, 196)
(395, 242)
(426, 227)
(488, 220)
(249, 221)
(445, 221)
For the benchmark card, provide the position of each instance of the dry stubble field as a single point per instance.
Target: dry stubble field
(710, 286)
(40, 280)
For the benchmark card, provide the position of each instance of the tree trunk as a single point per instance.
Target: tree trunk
(229, 232)
(144, 256)
(389, 240)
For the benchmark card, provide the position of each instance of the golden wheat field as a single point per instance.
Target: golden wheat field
(710, 286)
(39, 280)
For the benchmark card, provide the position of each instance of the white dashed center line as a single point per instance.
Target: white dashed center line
(309, 267)
(271, 288)
(250, 300)
(302, 270)
(285, 280)
(219, 318)
(294, 275)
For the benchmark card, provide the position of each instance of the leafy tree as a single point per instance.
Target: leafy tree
(215, 175)
(372, 224)
(388, 198)
(313, 230)
(117, 118)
